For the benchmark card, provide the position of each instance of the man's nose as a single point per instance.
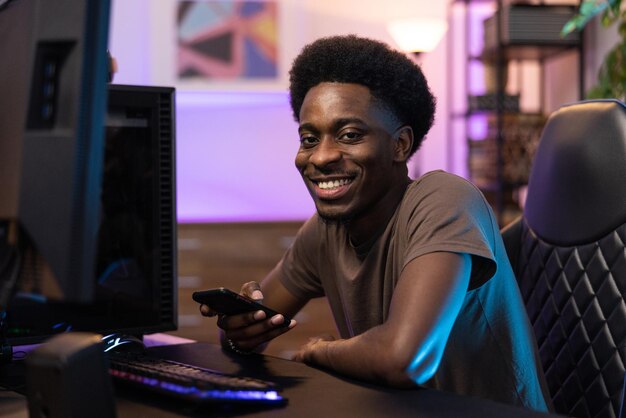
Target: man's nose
(327, 152)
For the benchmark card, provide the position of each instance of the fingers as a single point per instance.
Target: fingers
(251, 322)
(313, 347)
(244, 320)
(252, 290)
(249, 338)
(325, 337)
(250, 330)
(206, 311)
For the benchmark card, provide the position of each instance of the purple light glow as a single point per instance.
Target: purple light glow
(477, 127)
(235, 158)
(200, 393)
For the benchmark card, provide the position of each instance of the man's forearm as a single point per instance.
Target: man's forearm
(368, 356)
(409, 345)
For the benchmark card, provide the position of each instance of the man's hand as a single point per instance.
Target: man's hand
(316, 347)
(251, 331)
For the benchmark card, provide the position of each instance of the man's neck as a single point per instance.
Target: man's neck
(373, 222)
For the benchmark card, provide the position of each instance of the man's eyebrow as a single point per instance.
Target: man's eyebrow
(337, 124)
(340, 123)
(307, 127)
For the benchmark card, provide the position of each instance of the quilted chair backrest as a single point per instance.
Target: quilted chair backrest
(568, 251)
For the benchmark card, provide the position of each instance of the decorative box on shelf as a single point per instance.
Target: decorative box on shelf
(526, 24)
(488, 102)
(520, 134)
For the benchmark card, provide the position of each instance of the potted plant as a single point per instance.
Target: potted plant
(612, 72)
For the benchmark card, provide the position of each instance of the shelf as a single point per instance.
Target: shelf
(499, 162)
(527, 25)
(489, 103)
(519, 140)
(521, 51)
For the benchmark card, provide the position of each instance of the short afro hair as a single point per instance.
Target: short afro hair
(392, 78)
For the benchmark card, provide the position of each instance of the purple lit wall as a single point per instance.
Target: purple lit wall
(235, 158)
(465, 76)
(235, 149)
(236, 146)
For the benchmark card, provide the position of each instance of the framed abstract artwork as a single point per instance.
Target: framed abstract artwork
(221, 44)
(224, 39)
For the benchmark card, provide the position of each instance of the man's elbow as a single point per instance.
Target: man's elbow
(403, 370)
(395, 375)
(424, 364)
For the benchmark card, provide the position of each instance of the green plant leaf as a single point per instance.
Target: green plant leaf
(588, 10)
(615, 6)
(611, 80)
(608, 18)
(622, 29)
(569, 27)
(612, 75)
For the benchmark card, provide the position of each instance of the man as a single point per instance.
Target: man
(415, 271)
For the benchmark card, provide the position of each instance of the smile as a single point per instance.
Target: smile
(331, 189)
(334, 184)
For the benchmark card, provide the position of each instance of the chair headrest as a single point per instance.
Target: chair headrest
(577, 186)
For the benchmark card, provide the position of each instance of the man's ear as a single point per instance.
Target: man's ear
(403, 144)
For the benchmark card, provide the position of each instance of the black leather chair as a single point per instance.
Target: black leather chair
(568, 251)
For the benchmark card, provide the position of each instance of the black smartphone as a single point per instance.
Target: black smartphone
(227, 302)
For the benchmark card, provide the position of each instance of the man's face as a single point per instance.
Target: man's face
(346, 154)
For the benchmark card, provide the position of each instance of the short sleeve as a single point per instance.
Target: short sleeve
(447, 213)
(298, 269)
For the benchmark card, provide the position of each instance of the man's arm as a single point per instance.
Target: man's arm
(408, 347)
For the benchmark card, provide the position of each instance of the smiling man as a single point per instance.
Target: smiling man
(415, 271)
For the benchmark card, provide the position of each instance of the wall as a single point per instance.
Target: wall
(236, 143)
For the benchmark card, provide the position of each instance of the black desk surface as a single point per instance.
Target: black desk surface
(310, 393)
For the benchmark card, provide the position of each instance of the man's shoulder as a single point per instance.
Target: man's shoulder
(443, 195)
(441, 182)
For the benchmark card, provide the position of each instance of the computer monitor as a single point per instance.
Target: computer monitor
(134, 273)
(87, 187)
(55, 121)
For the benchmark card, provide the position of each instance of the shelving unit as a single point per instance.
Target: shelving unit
(505, 48)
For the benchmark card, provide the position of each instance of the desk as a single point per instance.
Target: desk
(310, 393)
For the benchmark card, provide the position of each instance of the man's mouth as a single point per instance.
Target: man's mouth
(333, 184)
(332, 189)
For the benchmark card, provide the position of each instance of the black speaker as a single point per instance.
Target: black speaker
(68, 377)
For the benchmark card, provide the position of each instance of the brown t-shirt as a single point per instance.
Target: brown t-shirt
(491, 351)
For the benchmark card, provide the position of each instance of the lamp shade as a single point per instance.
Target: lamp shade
(417, 34)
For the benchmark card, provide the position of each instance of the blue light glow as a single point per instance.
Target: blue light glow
(430, 352)
(426, 361)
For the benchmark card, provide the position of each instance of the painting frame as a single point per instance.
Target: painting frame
(164, 50)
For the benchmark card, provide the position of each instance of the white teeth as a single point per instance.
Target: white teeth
(325, 185)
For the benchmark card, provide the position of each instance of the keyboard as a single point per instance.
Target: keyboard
(189, 382)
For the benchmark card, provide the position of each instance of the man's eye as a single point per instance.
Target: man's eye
(350, 136)
(308, 141)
